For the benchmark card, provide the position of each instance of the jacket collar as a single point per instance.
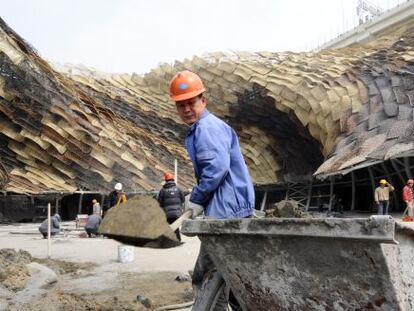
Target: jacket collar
(203, 115)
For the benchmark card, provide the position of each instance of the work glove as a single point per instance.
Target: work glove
(195, 208)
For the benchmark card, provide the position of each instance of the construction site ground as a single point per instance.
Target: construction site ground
(87, 274)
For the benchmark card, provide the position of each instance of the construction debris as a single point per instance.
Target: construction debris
(13, 271)
(286, 209)
(141, 222)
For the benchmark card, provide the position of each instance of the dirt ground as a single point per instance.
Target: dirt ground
(84, 274)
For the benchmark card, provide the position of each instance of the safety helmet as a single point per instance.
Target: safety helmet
(383, 181)
(185, 85)
(118, 186)
(168, 176)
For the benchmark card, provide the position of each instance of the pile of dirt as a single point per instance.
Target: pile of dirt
(64, 267)
(141, 222)
(286, 209)
(59, 301)
(13, 271)
(135, 292)
(14, 274)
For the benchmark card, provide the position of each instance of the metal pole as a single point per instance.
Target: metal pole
(331, 189)
(49, 241)
(176, 171)
(353, 191)
(80, 203)
(371, 176)
(309, 195)
(57, 206)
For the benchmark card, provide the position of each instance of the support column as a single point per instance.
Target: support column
(309, 195)
(80, 203)
(262, 205)
(57, 206)
(353, 191)
(331, 189)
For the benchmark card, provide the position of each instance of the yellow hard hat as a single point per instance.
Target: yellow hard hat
(383, 181)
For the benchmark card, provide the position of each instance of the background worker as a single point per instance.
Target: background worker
(116, 197)
(382, 196)
(96, 207)
(92, 225)
(54, 226)
(171, 199)
(408, 197)
(224, 188)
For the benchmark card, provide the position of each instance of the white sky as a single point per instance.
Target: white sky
(137, 35)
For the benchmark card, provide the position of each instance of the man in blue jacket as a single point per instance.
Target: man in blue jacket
(224, 188)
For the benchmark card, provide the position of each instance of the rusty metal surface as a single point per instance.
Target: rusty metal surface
(308, 272)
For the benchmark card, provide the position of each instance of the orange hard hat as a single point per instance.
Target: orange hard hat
(168, 176)
(185, 85)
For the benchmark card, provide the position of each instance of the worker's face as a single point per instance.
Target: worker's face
(190, 110)
(410, 184)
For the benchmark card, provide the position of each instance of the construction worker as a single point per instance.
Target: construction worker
(171, 199)
(96, 207)
(408, 197)
(54, 226)
(382, 196)
(93, 224)
(117, 196)
(224, 188)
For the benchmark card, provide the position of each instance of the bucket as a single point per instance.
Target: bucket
(125, 253)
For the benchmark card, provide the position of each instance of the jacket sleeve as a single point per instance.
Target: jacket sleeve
(182, 197)
(376, 195)
(160, 197)
(406, 194)
(55, 223)
(212, 148)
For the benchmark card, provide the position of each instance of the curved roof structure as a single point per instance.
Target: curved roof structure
(296, 114)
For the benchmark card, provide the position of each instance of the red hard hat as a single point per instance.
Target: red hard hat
(168, 176)
(185, 85)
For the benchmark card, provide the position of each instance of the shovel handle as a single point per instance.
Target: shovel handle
(187, 215)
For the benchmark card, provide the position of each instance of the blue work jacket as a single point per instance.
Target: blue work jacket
(224, 188)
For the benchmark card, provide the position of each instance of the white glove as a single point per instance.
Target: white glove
(196, 209)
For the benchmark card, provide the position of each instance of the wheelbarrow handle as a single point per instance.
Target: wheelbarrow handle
(187, 215)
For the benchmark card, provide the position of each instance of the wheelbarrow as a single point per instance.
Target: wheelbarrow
(312, 264)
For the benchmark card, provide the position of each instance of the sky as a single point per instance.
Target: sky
(137, 35)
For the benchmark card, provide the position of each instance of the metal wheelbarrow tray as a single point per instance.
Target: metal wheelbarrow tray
(313, 264)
